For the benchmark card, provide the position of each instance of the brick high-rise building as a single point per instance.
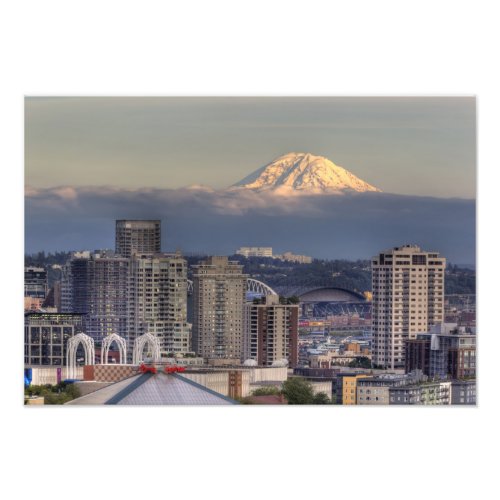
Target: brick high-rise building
(219, 292)
(137, 236)
(271, 331)
(408, 298)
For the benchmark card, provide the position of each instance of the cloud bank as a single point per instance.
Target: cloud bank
(200, 219)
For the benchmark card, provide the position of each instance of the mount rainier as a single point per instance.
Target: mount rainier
(303, 173)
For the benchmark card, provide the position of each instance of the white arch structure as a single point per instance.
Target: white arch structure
(88, 348)
(106, 345)
(140, 343)
(256, 286)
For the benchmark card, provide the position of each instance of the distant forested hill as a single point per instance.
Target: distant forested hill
(351, 275)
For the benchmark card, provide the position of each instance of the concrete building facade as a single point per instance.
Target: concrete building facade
(463, 392)
(408, 298)
(35, 282)
(428, 393)
(46, 337)
(271, 331)
(376, 390)
(96, 285)
(157, 301)
(137, 236)
(219, 291)
(447, 351)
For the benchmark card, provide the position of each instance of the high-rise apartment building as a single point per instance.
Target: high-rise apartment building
(96, 285)
(137, 236)
(146, 293)
(157, 300)
(219, 292)
(408, 298)
(35, 282)
(271, 331)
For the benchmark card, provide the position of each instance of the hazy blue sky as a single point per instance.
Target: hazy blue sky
(403, 145)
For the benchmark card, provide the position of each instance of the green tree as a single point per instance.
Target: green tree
(54, 394)
(321, 399)
(266, 391)
(244, 401)
(72, 391)
(361, 362)
(298, 391)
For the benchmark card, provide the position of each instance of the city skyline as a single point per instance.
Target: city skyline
(246, 342)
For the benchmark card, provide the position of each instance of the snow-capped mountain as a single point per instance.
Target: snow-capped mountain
(303, 173)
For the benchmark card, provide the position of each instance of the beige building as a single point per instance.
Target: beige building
(217, 381)
(408, 298)
(157, 301)
(32, 303)
(239, 381)
(271, 331)
(291, 257)
(219, 292)
(255, 251)
(323, 386)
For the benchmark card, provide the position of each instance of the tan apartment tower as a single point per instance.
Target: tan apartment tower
(157, 300)
(137, 236)
(219, 292)
(408, 298)
(271, 331)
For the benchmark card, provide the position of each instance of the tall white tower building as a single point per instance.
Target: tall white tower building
(408, 297)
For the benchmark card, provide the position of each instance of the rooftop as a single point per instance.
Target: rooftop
(148, 389)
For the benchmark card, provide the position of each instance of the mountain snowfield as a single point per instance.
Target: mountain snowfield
(303, 173)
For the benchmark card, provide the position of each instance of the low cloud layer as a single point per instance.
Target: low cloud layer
(200, 219)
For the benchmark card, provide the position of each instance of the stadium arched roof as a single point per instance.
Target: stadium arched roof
(331, 294)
